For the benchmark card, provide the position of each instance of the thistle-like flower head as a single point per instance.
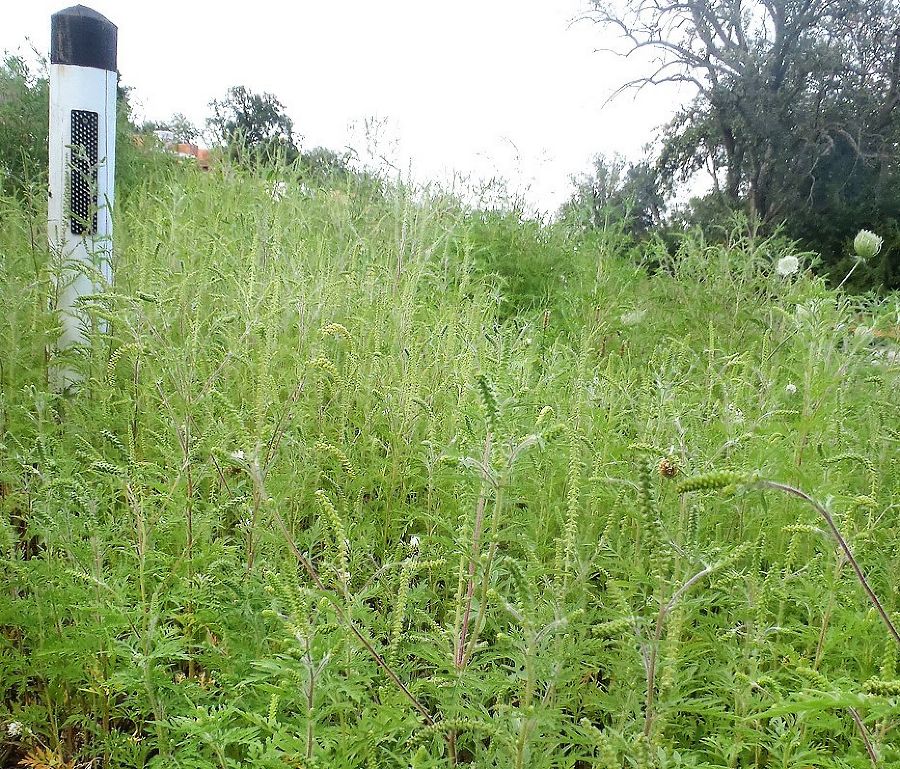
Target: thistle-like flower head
(867, 244)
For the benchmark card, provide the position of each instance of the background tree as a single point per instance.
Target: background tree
(324, 165)
(614, 191)
(796, 110)
(253, 126)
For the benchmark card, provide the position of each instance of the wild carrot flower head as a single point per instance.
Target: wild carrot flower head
(867, 244)
(787, 265)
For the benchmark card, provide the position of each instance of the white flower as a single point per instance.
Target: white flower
(237, 456)
(787, 265)
(15, 729)
(735, 414)
(791, 388)
(633, 318)
(867, 244)
(278, 190)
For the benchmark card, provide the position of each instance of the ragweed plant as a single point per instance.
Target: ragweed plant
(347, 483)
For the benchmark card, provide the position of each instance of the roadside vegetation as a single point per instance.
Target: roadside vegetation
(362, 475)
(359, 476)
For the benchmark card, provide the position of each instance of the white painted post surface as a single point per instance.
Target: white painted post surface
(82, 165)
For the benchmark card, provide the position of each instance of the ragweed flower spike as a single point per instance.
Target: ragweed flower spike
(867, 244)
(720, 479)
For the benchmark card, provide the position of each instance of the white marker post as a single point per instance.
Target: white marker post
(82, 165)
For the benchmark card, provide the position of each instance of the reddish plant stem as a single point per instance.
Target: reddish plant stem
(845, 548)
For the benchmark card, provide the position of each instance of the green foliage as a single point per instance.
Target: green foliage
(253, 126)
(615, 194)
(795, 116)
(24, 107)
(531, 264)
(359, 478)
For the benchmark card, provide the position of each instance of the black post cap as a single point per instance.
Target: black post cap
(84, 38)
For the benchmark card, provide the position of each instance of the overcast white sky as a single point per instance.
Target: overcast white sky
(479, 87)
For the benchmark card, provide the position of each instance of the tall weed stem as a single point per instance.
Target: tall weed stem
(844, 546)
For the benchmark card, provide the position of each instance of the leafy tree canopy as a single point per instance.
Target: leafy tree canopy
(796, 116)
(253, 126)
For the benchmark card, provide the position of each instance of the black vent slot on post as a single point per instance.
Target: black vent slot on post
(83, 192)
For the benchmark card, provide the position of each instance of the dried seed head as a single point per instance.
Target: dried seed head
(667, 468)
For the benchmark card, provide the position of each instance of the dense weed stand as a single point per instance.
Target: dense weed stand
(82, 166)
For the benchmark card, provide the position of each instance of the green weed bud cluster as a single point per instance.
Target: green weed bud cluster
(339, 456)
(797, 531)
(674, 632)
(447, 725)
(761, 609)
(107, 468)
(544, 417)
(643, 755)
(336, 330)
(734, 556)
(489, 402)
(613, 515)
(814, 677)
(851, 456)
(645, 492)
(295, 600)
(116, 356)
(573, 497)
(520, 580)
(719, 479)
(695, 511)
(651, 525)
(325, 365)
(607, 755)
(272, 711)
(864, 502)
(342, 544)
(881, 687)
(406, 575)
(648, 449)
(801, 528)
(793, 547)
(611, 628)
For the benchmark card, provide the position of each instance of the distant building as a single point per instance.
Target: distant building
(165, 137)
(183, 149)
